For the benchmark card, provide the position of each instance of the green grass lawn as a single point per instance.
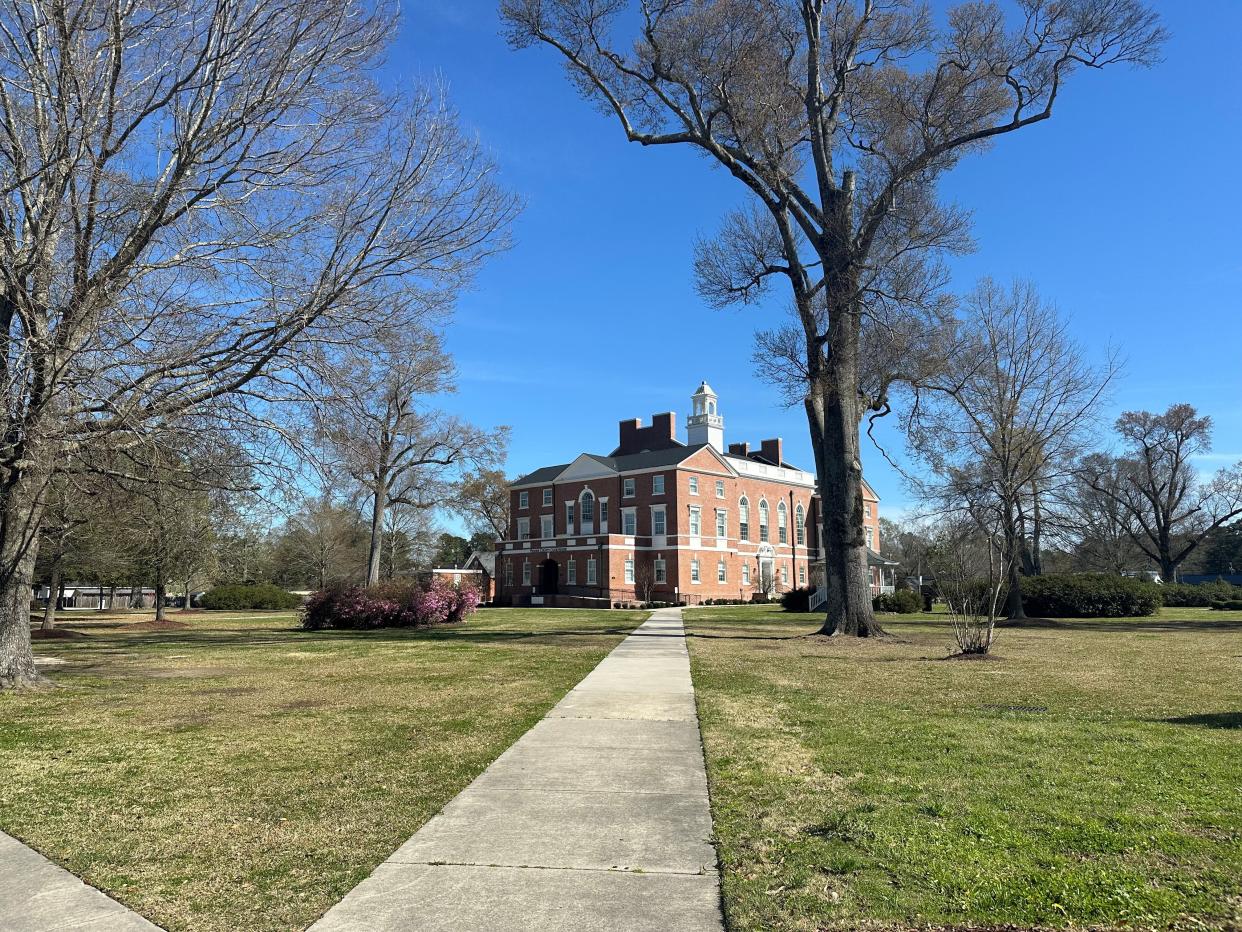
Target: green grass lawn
(244, 775)
(1089, 776)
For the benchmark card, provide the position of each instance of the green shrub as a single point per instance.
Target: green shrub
(1089, 595)
(1184, 595)
(902, 601)
(249, 596)
(1229, 605)
(796, 600)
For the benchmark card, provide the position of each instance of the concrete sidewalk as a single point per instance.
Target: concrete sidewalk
(36, 895)
(597, 818)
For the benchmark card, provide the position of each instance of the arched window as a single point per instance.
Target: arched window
(782, 523)
(763, 521)
(743, 518)
(800, 524)
(586, 512)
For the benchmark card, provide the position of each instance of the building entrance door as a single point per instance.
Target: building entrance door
(548, 577)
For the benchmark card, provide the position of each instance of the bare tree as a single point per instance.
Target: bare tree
(192, 192)
(970, 571)
(1100, 529)
(1168, 508)
(380, 431)
(1007, 418)
(483, 500)
(323, 542)
(839, 118)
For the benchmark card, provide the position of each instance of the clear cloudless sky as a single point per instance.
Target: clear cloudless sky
(1125, 209)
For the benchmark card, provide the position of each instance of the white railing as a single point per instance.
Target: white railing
(818, 598)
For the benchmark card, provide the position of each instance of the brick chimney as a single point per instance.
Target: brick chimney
(771, 451)
(634, 438)
(739, 449)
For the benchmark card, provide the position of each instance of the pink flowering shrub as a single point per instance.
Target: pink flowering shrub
(398, 604)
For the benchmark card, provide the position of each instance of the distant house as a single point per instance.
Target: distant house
(99, 598)
(478, 571)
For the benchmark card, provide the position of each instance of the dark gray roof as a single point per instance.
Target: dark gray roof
(486, 560)
(543, 474)
(648, 459)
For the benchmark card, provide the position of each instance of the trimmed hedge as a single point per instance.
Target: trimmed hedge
(1230, 605)
(1089, 595)
(902, 601)
(1184, 595)
(390, 605)
(797, 600)
(248, 596)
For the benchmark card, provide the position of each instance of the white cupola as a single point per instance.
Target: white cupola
(705, 425)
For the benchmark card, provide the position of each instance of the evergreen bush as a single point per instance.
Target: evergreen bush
(1089, 595)
(236, 596)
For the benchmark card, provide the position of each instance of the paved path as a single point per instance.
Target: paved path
(596, 819)
(36, 895)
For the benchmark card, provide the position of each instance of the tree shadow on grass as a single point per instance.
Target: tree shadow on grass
(1209, 720)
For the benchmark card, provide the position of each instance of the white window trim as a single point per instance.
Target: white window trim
(592, 572)
(547, 527)
(523, 528)
(629, 570)
(722, 571)
(662, 511)
(694, 526)
(525, 572)
(694, 572)
(571, 572)
(601, 514)
(631, 512)
(660, 478)
(722, 524)
(571, 513)
(524, 499)
(659, 570)
(629, 488)
(693, 484)
(720, 488)
(548, 496)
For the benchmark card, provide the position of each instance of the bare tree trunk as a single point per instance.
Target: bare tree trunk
(161, 590)
(1014, 545)
(53, 596)
(377, 532)
(19, 545)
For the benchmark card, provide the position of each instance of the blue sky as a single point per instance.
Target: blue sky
(1124, 209)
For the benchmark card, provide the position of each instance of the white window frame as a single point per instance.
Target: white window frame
(694, 485)
(627, 488)
(722, 571)
(867, 509)
(547, 498)
(870, 532)
(720, 491)
(629, 570)
(764, 516)
(743, 518)
(657, 484)
(569, 517)
(524, 499)
(629, 522)
(592, 572)
(784, 574)
(745, 574)
(695, 525)
(800, 524)
(660, 570)
(802, 575)
(508, 572)
(694, 571)
(601, 512)
(523, 528)
(722, 524)
(571, 572)
(525, 572)
(547, 527)
(658, 513)
(782, 523)
(587, 525)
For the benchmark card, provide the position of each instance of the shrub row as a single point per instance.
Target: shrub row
(902, 601)
(1089, 595)
(1205, 595)
(1229, 605)
(249, 595)
(401, 604)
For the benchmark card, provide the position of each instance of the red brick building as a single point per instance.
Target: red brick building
(662, 520)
